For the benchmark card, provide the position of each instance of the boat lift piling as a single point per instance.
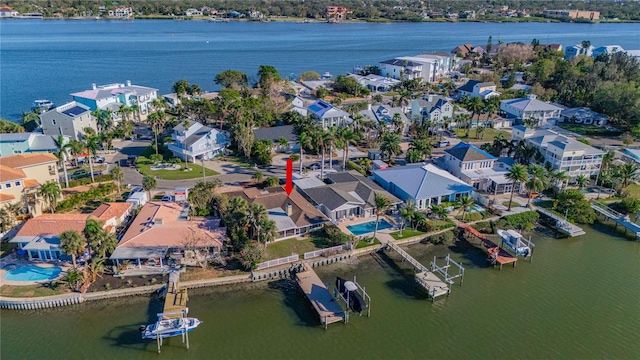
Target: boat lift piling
(185, 334)
(364, 295)
(444, 270)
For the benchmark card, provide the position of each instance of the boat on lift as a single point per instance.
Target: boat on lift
(516, 242)
(165, 328)
(349, 292)
(42, 105)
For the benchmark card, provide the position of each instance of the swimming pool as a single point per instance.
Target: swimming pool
(32, 273)
(369, 227)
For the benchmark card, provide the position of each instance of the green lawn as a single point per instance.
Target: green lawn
(144, 166)
(440, 224)
(634, 190)
(588, 130)
(365, 243)
(488, 136)
(406, 233)
(512, 203)
(285, 248)
(37, 290)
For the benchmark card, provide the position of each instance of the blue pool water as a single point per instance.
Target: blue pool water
(368, 227)
(32, 273)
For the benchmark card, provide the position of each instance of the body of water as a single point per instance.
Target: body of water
(578, 299)
(51, 59)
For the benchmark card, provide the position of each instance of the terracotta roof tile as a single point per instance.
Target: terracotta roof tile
(31, 183)
(24, 160)
(110, 210)
(53, 224)
(7, 173)
(6, 197)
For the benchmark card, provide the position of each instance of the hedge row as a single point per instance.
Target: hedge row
(353, 166)
(87, 180)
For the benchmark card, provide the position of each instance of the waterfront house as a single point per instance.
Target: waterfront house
(293, 214)
(561, 152)
(584, 116)
(383, 114)
(375, 83)
(121, 11)
(275, 133)
(573, 14)
(432, 107)
(27, 143)
(21, 176)
(428, 67)
(606, 50)
(401, 69)
(164, 228)
(336, 12)
(578, 49)
(475, 88)
(40, 237)
(7, 12)
(112, 96)
(193, 12)
(477, 168)
(426, 184)
(69, 120)
(462, 50)
(530, 107)
(296, 103)
(328, 115)
(192, 141)
(348, 195)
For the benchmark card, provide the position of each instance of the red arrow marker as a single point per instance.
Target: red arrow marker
(288, 186)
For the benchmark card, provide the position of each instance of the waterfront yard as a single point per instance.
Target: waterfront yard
(298, 246)
(487, 136)
(406, 233)
(37, 290)
(144, 166)
(588, 130)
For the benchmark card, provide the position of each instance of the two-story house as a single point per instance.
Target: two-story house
(328, 115)
(193, 140)
(386, 115)
(27, 143)
(375, 83)
(401, 69)
(112, 96)
(579, 49)
(606, 50)
(531, 108)
(432, 107)
(561, 152)
(475, 88)
(69, 120)
(477, 168)
(20, 177)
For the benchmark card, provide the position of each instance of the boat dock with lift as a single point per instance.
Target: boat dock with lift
(427, 278)
(562, 225)
(517, 243)
(497, 255)
(618, 218)
(321, 299)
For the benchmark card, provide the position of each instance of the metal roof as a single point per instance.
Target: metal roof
(422, 182)
(138, 252)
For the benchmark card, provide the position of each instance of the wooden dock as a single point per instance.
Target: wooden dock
(618, 218)
(320, 297)
(497, 255)
(425, 277)
(175, 301)
(562, 225)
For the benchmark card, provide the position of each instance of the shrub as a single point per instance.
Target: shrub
(336, 237)
(577, 208)
(446, 237)
(521, 221)
(87, 180)
(629, 205)
(107, 286)
(272, 181)
(353, 166)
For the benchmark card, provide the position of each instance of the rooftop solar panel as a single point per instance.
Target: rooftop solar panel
(74, 111)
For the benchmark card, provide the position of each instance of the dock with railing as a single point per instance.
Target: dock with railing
(618, 218)
(327, 307)
(496, 254)
(562, 224)
(175, 301)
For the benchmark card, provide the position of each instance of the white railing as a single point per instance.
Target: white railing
(312, 254)
(276, 262)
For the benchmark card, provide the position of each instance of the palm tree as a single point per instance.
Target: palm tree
(627, 173)
(256, 214)
(322, 140)
(464, 202)
(582, 181)
(76, 148)
(406, 213)
(559, 177)
(50, 192)
(157, 120)
(517, 174)
(118, 175)
(346, 136)
(305, 141)
(72, 243)
(438, 212)
(149, 183)
(476, 106)
(538, 180)
(284, 143)
(382, 205)
(63, 148)
(258, 176)
(92, 149)
(390, 145)
(103, 242)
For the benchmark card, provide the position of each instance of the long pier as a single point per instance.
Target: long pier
(497, 255)
(426, 277)
(175, 301)
(617, 217)
(321, 299)
(562, 225)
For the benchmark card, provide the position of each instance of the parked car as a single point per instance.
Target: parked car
(100, 159)
(166, 198)
(137, 189)
(97, 172)
(79, 174)
(443, 143)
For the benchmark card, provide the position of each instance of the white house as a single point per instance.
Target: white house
(432, 107)
(112, 96)
(121, 11)
(561, 152)
(530, 107)
(197, 141)
(328, 115)
(193, 12)
(7, 12)
(375, 83)
(401, 69)
(583, 115)
(69, 120)
(607, 50)
(475, 88)
(575, 50)
(383, 114)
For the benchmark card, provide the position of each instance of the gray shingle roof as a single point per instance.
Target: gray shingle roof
(468, 87)
(275, 133)
(467, 152)
(399, 62)
(203, 131)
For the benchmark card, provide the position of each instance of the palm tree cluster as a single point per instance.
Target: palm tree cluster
(246, 223)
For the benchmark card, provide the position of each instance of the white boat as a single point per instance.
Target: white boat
(169, 327)
(516, 242)
(42, 105)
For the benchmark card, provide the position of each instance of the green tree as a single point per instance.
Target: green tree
(390, 145)
(465, 202)
(626, 173)
(72, 243)
(156, 121)
(577, 209)
(306, 142)
(582, 181)
(438, 212)
(231, 78)
(50, 192)
(382, 204)
(103, 243)
(537, 181)
(7, 127)
(251, 255)
(117, 174)
(29, 121)
(93, 144)
(309, 75)
(258, 176)
(517, 174)
(149, 183)
(64, 147)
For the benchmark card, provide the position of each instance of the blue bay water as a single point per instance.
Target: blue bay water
(52, 58)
